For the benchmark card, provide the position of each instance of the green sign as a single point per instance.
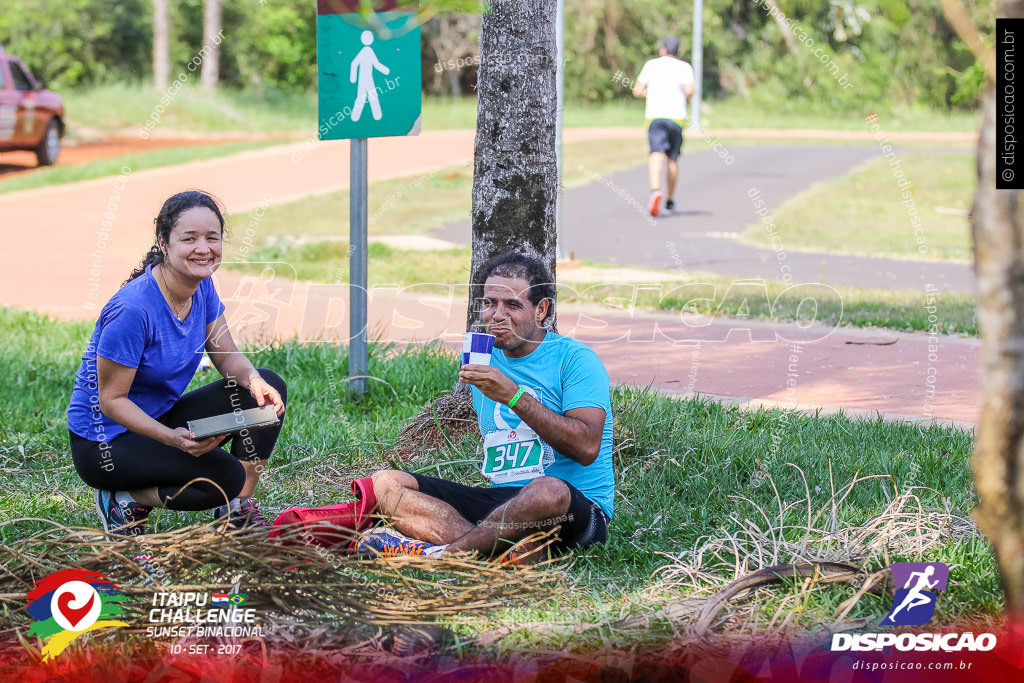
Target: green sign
(369, 75)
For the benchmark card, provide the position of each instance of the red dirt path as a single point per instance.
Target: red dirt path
(13, 164)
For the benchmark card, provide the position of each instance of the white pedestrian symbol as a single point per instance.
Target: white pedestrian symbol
(362, 69)
(914, 597)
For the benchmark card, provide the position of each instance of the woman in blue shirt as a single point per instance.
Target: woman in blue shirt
(127, 414)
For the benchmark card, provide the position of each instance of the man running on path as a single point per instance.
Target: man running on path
(667, 83)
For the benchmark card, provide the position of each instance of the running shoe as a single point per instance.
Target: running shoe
(670, 207)
(393, 544)
(511, 560)
(654, 204)
(124, 520)
(247, 516)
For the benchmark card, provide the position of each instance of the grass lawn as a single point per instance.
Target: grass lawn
(739, 298)
(119, 108)
(738, 113)
(706, 295)
(309, 235)
(124, 109)
(705, 492)
(415, 205)
(864, 212)
(58, 175)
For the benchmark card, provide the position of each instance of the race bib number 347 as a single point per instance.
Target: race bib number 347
(513, 461)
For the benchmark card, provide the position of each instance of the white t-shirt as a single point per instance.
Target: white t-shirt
(665, 78)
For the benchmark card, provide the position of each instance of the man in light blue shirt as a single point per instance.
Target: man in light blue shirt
(544, 412)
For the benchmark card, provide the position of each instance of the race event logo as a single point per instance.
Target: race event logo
(68, 603)
(917, 587)
(193, 614)
(914, 603)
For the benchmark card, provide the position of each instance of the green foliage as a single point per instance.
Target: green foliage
(73, 42)
(274, 47)
(81, 42)
(969, 83)
(282, 48)
(890, 51)
(841, 55)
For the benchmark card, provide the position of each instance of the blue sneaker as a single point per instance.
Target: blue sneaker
(393, 544)
(123, 520)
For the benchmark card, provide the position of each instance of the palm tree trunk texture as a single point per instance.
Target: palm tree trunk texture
(209, 74)
(515, 178)
(997, 224)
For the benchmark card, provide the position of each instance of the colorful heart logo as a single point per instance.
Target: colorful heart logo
(76, 606)
(68, 604)
(74, 615)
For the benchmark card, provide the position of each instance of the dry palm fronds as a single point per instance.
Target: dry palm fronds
(819, 572)
(445, 421)
(725, 562)
(905, 527)
(319, 585)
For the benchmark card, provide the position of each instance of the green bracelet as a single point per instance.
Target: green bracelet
(512, 403)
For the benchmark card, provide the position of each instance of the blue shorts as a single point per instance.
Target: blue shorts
(665, 135)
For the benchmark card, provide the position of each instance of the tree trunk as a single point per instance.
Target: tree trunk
(787, 33)
(210, 73)
(997, 224)
(161, 44)
(515, 178)
(454, 39)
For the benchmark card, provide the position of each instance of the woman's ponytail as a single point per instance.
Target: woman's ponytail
(154, 257)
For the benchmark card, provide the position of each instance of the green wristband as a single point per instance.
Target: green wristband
(512, 403)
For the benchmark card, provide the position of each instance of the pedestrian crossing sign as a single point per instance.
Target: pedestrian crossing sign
(368, 72)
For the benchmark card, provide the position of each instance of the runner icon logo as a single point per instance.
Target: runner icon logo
(918, 584)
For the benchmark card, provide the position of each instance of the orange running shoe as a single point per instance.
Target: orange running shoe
(654, 205)
(389, 544)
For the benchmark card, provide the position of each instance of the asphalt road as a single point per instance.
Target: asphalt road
(606, 221)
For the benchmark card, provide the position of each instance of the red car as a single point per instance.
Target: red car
(31, 117)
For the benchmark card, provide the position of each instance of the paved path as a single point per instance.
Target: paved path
(61, 259)
(606, 221)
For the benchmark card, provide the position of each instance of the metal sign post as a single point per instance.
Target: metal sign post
(358, 352)
(369, 85)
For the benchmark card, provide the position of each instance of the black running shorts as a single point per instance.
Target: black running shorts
(666, 136)
(584, 524)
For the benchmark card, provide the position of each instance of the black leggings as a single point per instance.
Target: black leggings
(132, 461)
